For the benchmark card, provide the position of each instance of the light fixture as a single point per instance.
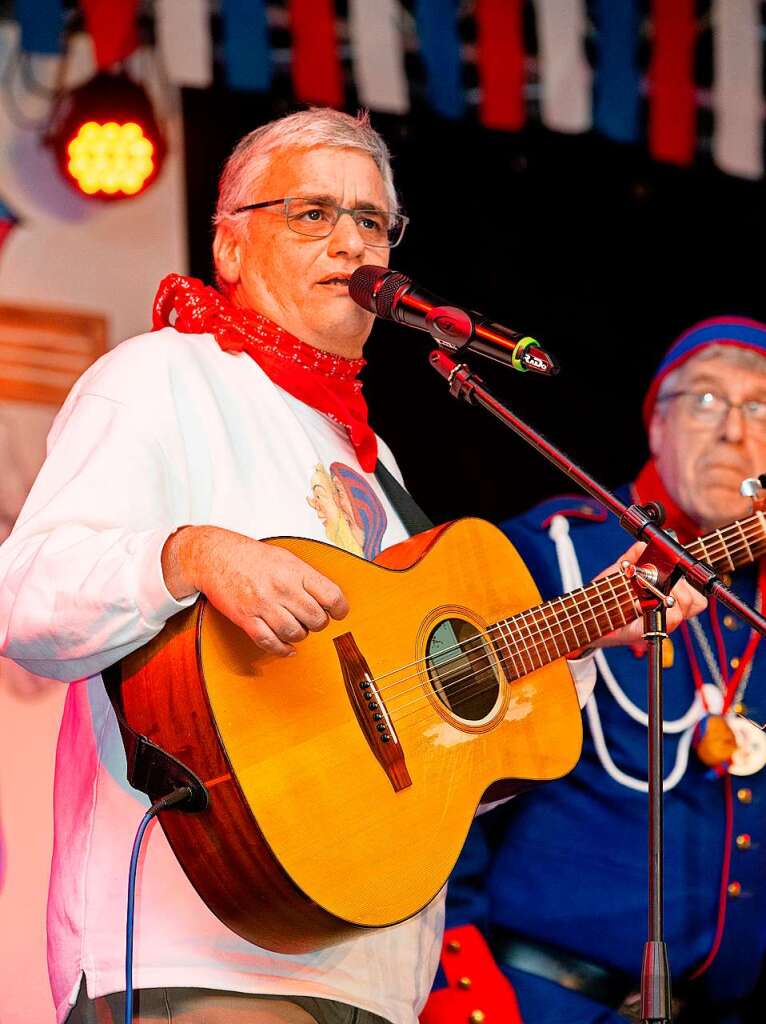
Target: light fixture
(106, 138)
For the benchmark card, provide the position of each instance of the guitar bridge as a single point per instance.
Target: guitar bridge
(371, 712)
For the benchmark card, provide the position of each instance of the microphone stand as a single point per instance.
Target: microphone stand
(662, 563)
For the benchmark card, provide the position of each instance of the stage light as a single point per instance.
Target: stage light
(106, 138)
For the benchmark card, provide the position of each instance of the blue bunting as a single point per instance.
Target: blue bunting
(618, 80)
(42, 25)
(440, 52)
(247, 49)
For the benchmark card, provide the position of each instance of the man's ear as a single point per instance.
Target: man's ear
(656, 432)
(227, 254)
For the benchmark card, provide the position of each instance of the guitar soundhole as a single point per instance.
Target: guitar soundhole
(461, 669)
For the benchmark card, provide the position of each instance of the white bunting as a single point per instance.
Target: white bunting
(183, 39)
(737, 101)
(566, 103)
(377, 47)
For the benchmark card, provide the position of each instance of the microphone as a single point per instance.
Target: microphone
(394, 296)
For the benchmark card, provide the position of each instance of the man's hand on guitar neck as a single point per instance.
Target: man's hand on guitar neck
(269, 593)
(689, 602)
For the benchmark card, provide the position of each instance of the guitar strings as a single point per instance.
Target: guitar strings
(505, 632)
(521, 647)
(470, 677)
(733, 550)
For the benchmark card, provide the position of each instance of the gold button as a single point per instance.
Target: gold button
(740, 708)
(476, 1016)
(453, 946)
(730, 622)
(734, 662)
(726, 579)
(734, 889)
(745, 795)
(743, 841)
(464, 983)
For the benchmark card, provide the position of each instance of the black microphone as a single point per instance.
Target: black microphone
(394, 296)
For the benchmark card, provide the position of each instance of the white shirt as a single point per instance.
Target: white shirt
(167, 430)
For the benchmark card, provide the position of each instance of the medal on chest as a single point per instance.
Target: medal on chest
(724, 740)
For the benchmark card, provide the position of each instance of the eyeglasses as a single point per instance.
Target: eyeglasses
(711, 409)
(318, 217)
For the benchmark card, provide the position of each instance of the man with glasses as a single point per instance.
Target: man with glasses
(556, 880)
(239, 417)
(169, 456)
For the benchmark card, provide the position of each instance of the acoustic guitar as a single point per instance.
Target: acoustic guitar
(342, 781)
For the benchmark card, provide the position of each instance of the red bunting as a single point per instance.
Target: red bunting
(500, 59)
(672, 114)
(317, 76)
(112, 26)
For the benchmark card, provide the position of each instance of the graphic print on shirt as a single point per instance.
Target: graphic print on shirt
(350, 511)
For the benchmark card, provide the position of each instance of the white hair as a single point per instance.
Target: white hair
(318, 126)
(744, 358)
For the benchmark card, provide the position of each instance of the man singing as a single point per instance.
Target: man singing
(239, 417)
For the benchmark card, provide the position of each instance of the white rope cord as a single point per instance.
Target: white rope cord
(571, 577)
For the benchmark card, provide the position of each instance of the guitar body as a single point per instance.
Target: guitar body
(321, 822)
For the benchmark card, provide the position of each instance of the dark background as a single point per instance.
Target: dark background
(588, 245)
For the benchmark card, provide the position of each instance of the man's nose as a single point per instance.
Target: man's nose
(732, 426)
(345, 237)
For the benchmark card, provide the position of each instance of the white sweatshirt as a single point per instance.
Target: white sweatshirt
(168, 430)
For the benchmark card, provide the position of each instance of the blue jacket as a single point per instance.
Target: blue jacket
(566, 863)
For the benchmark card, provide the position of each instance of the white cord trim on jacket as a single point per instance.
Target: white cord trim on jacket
(571, 578)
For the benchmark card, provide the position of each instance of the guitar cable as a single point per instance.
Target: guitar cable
(176, 797)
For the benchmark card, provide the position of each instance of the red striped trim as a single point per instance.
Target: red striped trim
(575, 513)
(317, 76)
(500, 60)
(724, 883)
(672, 113)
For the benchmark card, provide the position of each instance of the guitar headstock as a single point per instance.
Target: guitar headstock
(755, 489)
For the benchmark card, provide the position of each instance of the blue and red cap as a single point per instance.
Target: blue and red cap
(720, 330)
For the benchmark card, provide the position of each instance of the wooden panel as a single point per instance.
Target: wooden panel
(43, 351)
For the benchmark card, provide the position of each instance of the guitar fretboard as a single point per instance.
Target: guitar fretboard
(540, 635)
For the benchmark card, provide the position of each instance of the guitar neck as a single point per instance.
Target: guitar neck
(540, 635)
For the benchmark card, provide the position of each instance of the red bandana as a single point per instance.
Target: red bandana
(649, 487)
(325, 381)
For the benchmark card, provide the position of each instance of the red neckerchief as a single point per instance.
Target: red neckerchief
(649, 487)
(325, 381)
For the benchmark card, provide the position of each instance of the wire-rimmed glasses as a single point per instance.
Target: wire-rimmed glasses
(318, 217)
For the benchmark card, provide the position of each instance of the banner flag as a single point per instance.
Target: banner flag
(182, 29)
(737, 82)
(42, 25)
(672, 100)
(377, 45)
(246, 45)
(618, 80)
(501, 60)
(317, 74)
(566, 82)
(112, 26)
(440, 52)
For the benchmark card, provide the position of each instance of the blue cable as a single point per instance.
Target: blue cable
(183, 793)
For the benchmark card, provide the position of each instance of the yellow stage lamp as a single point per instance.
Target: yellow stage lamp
(106, 138)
